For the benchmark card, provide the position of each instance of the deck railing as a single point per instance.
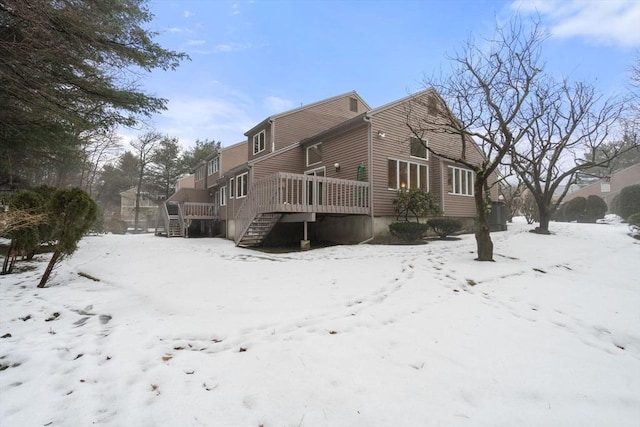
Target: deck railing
(193, 210)
(288, 192)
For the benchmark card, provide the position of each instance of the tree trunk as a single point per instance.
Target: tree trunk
(483, 231)
(5, 264)
(545, 217)
(47, 272)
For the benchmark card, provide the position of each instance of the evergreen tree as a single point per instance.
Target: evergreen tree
(69, 66)
(72, 212)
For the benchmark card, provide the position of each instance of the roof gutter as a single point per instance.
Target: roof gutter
(367, 119)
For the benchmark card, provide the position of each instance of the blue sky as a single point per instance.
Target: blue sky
(254, 58)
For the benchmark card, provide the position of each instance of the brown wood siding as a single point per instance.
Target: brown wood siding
(287, 161)
(307, 122)
(456, 205)
(395, 145)
(233, 156)
(267, 142)
(349, 149)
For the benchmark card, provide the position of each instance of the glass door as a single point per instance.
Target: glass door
(315, 190)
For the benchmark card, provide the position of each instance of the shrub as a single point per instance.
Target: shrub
(634, 219)
(614, 205)
(410, 232)
(530, 209)
(115, 226)
(73, 212)
(595, 208)
(629, 201)
(575, 208)
(24, 240)
(558, 214)
(444, 227)
(98, 225)
(416, 202)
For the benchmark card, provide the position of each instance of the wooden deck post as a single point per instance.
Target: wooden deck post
(305, 244)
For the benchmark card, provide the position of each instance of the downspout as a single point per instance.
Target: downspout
(272, 134)
(443, 169)
(367, 119)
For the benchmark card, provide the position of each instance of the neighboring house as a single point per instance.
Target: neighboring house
(608, 187)
(187, 181)
(194, 208)
(148, 209)
(330, 171)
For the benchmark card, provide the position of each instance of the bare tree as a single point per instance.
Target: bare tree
(512, 196)
(573, 120)
(97, 147)
(145, 148)
(486, 94)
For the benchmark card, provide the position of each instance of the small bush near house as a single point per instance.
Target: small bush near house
(574, 209)
(115, 226)
(410, 232)
(558, 214)
(595, 208)
(629, 201)
(634, 219)
(414, 202)
(444, 227)
(614, 205)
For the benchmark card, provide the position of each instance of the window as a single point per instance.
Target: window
(407, 175)
(258, 142)
(241, 185)
(200, 173)
(232, 188)
(213, 166)
(223, 196)
(418, 148)
(459, 181)
(605, 187)
(314, 154)
(353, 105)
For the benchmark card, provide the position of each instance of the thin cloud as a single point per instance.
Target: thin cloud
(276, 104)
(607, 22)
(230, 47)
(196, 42)
(235, 8)
(187, 14)
(215, 118)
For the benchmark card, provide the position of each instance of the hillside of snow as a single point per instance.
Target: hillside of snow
(198, 332)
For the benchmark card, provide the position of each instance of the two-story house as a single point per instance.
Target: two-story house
(330, 171)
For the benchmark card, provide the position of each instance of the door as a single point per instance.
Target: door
(315, 190)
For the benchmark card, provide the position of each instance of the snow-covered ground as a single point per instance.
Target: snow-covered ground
(197, 332)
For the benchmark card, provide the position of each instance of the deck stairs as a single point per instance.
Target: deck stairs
(259, 228)
(175, 228)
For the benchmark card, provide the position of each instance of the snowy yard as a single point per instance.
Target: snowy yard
(197, 332)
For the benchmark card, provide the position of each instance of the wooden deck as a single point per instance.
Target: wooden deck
(287, 192)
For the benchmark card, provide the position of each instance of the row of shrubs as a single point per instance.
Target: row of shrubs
(625, 204)
(414, 231)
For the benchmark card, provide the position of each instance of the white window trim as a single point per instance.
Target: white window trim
(212, 165)
(264, 142)
(240, 180)
(409, 173)
(200, 173)
(306, 152)
(470, 181)
(232, 188)
(223, 196)
(426, 142)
